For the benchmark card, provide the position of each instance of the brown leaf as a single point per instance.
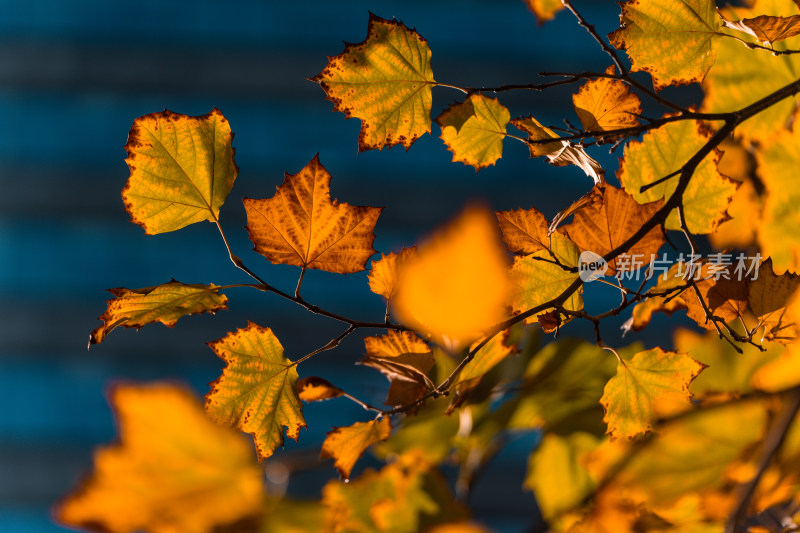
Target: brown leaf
(405, 360)
(347, 444)
(302, 226)
(314, 389)
(524, 231)
(765, 28)
(604, 104)
(591, 198)
(769, 299)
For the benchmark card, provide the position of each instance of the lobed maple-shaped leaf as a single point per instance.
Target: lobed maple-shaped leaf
(257, 391)
(652, 384)
(347, 444)
(559, 153)
(605, 104)
(544, 9)
(181, 167)
(772, 300)
(405, 360)
(525, 230)
(165, 303)
(457, 285)
(767, 29)
(602, 226)
(172, 469)
(386, 82)
(474, 130)
(664, 151)
(302, 226)
(314, 389)
(674, 40)
(383, 272)
(740, 77)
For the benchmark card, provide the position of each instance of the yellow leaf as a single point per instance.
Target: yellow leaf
(653, 384)
(544, 9)
(604, 104)
(740, 77)
(165, 303)
(457, 286)
(525, 230)
(474, 130)
(603, 226)
(181, 170)
(291, 516)
(173, 469)
(459, 527)
(674, 40)
(559, 153)
(405, 360)
(745, 212)
(314, 389)
(772, 301)
(347, 444)
(485, 359)
(386, 82)
(257, 391)
(302, 226)
(664, 151)
(383, 272)
(765, 28)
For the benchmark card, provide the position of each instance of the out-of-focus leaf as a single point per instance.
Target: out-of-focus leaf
(347, 444)
(314, 389)
(292, 516)
(605, 104)
(257, 391)
(485, 359)
(771, 299)
(383, 272)
(182, 170)
(302, 226)
(544, 9)
(173, 469)
(674, 40)
(165, 303)
(474, 130)
(385, 81)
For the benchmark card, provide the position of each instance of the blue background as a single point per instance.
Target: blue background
(74, 75)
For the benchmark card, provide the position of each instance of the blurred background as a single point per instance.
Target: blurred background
(74, 75)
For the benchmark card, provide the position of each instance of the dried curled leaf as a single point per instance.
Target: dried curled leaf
(605, 104)
(173, 469)
(405, 360)
(257, 391)
(544, 9)
(771, 299)
(165, 303)
(765, 28)
(302, 226)
(674, 40)
(474, 130)
(314, 389)
(347, 444)
(182, 169)
(386, 82)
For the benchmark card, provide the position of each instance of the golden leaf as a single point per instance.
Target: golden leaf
(525, 230)
(604, 104)
(173, 469)
(544, 9)
(182, 169)
(386, 82)
(405, 360)
(314, 389)
(383, 272)
(771, 299)
(257, 391)
(347, 444)
(474, 130)
(302, 226)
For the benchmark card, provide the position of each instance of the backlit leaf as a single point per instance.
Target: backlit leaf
(383, 272)
(485, 359)
(740, 77)
(165, 303)
(314, 389)
(666, 150)
(457, 286)
(173, 469)
(474, 130)
(257, 391)
(725, 298)
(525, 230)
(604, 104)
(292, 516)
(386, 82)
(653, 384)
(347, 444)
(544, 9)
(765, 28)
(603, 226)
(181, 169)
(674, 40)
(666, 297)
(302, 226)
(405, 360)
(771, 299)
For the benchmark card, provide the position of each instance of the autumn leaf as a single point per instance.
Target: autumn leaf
(544, 9)
(484, 360)
(771, 299)
(182, 170)
(457, 286)
(405, 360)
(314, 389)
(165, 303)
(383, 272)
(291, 516)
(723, 293)
(603, 226)
(173, 469)
(663, 152)
(653, 384)
(474, 130)
(765, 28)
(525, 230)
(302, 226)
(385, 81)
(257, 391)
(347, 444)
(605, 104)
(674, 40)
(559, 153)
(740, 77)
(666, 297)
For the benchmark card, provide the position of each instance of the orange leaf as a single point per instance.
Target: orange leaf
(771, 301)
(383, 273)
(603, 226)
(405, 360)
(165, 303)
(765, 28)
(182, 169)
(257, 391)
(302, 226)
(725, 298)
(347, 444)
(314, 389)
(544, 9)
(604, 104)
(457, 286)
(524, 230)
(173, 469)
